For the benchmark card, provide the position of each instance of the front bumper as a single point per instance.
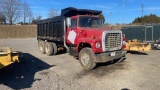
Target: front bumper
(108, 56)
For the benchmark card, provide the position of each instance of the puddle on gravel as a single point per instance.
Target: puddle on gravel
(104, 69)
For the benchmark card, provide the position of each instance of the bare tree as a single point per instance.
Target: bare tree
(11, 9)
(30, 17)
(2, 18)
(38, 18)
(26, 11)
(53, 12)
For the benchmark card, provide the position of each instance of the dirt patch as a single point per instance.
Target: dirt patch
(37, 71)
(156, 66)
(104, 69)
(44, 73)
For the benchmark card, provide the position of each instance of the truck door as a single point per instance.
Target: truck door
(71, 31)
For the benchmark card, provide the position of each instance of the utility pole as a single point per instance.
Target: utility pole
(123, 10)
(142, 8)
(159, 20)
(110, 18)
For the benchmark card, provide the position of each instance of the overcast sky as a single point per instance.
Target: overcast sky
(132, 8)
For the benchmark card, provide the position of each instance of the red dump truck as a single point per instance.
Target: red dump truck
(81, 32)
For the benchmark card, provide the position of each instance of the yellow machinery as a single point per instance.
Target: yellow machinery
(135, 45)
(7, 56)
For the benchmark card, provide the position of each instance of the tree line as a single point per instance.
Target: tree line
(147, 19)
(15, 10)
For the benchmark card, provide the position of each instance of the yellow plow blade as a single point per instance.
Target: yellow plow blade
(7, 57)
(135, 45)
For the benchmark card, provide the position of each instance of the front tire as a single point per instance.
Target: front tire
(86, 58)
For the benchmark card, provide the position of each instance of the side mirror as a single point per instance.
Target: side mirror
(102, 21)
(68, 22)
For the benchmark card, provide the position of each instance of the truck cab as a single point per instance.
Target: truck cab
(85, 37)
(84, 29)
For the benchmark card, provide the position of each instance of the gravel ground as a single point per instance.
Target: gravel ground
(36, 71)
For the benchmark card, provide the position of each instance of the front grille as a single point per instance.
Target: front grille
(112, 40)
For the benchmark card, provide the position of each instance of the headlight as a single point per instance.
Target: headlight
(98, 45)
(124, 42)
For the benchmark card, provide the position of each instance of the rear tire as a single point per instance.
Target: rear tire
(86, 58)
(41, 45)
(49, 49)
(54, 48)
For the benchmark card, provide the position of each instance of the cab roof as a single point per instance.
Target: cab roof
(71, 11)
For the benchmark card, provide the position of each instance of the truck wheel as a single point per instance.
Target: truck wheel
(41, 45)
(49, 49)
(86, 58)
(54, 48)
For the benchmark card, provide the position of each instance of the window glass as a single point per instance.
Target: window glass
(91, 22)
(73, 23)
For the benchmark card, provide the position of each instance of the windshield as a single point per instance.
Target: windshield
(91, 22)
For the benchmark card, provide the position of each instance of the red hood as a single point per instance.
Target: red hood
(94, 31)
